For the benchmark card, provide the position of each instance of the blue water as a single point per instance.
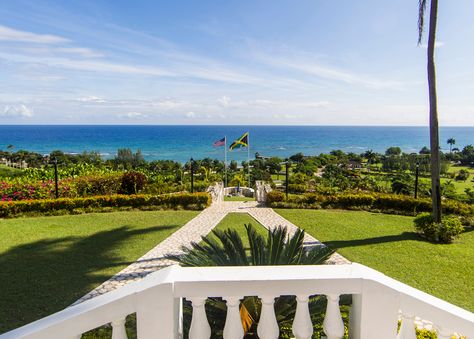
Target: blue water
(183, 142)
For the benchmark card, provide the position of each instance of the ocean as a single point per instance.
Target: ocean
(180, 143)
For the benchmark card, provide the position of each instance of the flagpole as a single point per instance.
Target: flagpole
(225, 161)
(248, 154)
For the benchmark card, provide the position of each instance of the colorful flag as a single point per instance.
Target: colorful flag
(243, 141)
(220, 142)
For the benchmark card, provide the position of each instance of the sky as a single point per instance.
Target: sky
(279, 62)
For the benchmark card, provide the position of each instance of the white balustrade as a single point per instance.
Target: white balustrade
(233, 324)
(200, 328)
(302, 325)
(267, 324)
(333, 325)
(156, 300)
(118, 329)
(407, 328)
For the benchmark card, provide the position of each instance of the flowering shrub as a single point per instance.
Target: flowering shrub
(17, 190)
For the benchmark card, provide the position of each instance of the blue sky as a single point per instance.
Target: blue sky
(308, 62)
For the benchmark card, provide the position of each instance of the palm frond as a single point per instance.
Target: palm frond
(421, 19)
(275, 244)
(257, 246)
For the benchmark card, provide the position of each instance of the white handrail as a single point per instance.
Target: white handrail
(377, 300)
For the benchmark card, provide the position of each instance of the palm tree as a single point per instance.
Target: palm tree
(434, 132)
(226, 248)
(451, 142)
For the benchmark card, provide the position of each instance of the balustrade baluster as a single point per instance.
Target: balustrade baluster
(200, 328)
(407, 328)
(118, 329)
(444, 333)
(233, 324)
(333, 325)
(302, 325)
(267, 324)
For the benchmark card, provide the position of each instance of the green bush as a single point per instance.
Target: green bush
(297, 188)
(389, 203)
(449, 228)
(72, 205)
(97, 185)
(275, 196)
(133, 182)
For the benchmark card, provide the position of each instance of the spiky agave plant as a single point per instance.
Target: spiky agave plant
(226, 248)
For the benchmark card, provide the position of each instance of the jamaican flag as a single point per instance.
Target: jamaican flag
(243, 141)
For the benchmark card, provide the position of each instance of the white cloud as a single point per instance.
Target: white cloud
(79, 51)
(10, 34)
(224, 101)
(92, 98)
(133, 115)
(191, 115)
(19, 111)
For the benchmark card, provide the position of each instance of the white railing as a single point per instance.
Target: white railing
(377, 304)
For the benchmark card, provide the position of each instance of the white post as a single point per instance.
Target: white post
(233, 324)
(118, 329)
(374, 312)
(302, 325)
(333, 325)
(407, 329)
(200, 328)
(158, 313)
(225, 161)
(267, 324)
(248, 155)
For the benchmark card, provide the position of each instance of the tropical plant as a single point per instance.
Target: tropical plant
(434, 132)
(451, 142)
(226, 248)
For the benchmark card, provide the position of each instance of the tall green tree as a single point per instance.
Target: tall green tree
(451, 142)
(434, 130)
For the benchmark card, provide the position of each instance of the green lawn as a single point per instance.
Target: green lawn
(238, 198)
(387, 243)
(6, 171)
(47, 263)
(237, 222)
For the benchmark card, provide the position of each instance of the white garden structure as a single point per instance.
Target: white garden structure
(378, 303)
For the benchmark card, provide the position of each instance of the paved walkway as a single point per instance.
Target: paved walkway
(192, 232)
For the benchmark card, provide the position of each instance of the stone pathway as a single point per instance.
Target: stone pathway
(192, 232)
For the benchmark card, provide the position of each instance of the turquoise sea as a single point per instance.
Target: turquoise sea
(183, 142)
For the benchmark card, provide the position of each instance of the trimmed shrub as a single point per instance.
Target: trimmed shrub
(133, 182)
(45, 206)
(389, 203)
(275, 196)
(98, 185)
(449, 228)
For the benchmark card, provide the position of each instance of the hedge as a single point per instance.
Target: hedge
(167, 201)
(368, 201)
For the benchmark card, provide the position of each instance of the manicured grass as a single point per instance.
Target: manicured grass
(388, 244)
(6, 171)
(47, 263)
(237, 221)
(238, 198)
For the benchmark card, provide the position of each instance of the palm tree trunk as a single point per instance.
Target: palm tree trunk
(434, 133)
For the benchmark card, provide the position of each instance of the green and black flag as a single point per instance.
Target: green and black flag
(243, 141)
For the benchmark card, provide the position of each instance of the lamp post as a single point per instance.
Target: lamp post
(287, 166)
(417, 170)
(192, 175)
(55, 163)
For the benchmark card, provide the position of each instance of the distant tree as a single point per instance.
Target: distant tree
(233, 165)
(298, 157)
(274, 165)
(393, 151)
(425, 150)
(451, 142)
(467, 155)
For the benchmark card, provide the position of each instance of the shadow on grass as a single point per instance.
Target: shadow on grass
(45, 276)
(336, 244)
